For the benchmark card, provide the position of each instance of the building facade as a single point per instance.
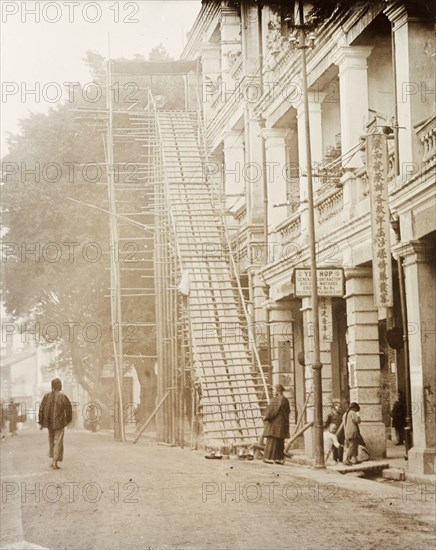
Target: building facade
(370, 72)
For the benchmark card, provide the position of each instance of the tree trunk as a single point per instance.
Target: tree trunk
(148, 387)
(95, 392)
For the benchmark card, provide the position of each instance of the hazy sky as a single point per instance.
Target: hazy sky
(49, 46)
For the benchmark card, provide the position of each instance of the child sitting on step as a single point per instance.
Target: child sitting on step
(331, 443)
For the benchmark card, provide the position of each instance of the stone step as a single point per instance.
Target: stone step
(366, 467)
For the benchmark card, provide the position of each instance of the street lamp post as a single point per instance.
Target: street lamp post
(302, 27)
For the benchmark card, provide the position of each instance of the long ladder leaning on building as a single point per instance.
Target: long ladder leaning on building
(208, 366)
(203, 329)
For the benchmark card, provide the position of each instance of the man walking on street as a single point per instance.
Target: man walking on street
(13, 417)
(55, 413)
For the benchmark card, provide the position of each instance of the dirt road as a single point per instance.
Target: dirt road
(123, 496)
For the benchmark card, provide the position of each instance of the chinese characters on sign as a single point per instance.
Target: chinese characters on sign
(325, 320)
(377, 166)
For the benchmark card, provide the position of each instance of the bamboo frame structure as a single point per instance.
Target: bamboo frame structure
(218, 382)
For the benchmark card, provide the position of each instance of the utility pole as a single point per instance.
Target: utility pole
(302, 27)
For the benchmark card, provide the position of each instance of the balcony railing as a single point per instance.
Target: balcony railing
(330, 206)
(330, 170)
(362, 177)
(391, 163)
(290, 230)
(279, 61)
(237, 69)
(240, 214)
(426, 132)
(217, 100)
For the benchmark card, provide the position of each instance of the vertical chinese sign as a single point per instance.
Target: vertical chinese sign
(325, 320)
(377, 168)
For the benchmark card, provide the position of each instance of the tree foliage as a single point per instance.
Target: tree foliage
(59, 289)
(159, 53)
(62, 288)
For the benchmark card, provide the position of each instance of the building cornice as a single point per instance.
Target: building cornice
(270, 134)
(357, 273)
(412, 252)
(208, 12)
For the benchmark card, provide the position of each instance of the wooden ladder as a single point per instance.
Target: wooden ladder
(222, 364)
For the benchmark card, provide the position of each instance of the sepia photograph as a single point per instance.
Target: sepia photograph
(218, 274)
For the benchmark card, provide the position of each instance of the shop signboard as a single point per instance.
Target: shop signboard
(330, 282)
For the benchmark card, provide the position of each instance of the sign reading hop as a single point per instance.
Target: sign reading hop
(330, 282)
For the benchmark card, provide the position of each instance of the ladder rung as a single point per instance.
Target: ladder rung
(241, 375)
(226, 430)
(230, 394)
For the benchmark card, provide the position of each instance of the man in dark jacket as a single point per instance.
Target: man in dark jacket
(352, 434)
(276, 427)
(398, 415)
(55, 413)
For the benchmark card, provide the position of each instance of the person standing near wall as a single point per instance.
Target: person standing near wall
(13, 417)
(276, 427)
(398, 415)
(352, 433)
(335, 416)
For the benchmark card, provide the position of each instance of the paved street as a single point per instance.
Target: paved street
(110, 495)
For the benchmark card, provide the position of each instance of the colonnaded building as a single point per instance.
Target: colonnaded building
(371, 109)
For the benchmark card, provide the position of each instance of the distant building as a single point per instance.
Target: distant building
(26, 367)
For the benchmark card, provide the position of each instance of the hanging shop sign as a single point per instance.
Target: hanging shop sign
(325, 320)
(330, 282)
(377, 168)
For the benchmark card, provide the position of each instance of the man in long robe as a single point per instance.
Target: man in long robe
(55, 413)
(276, 429)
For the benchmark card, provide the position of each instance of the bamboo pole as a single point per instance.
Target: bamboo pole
(173, 342)
(115, 273)
(182, 374)
(150, 418)
(158, 270)
(306, 402)
(297, 435)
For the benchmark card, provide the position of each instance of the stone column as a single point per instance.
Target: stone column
(353, 89)
(212, 80)
(269, 17)
(258, 313)
(419, 272)
(276, 157)
(326, 336)
(281, 331)
(250, 38)
(230, 41)
(315, 121)
(414, 47)
(364, 357)
(282, 352)
(325, 344)
(234, 183)
(253, 170)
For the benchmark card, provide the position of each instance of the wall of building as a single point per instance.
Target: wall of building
(358, 363)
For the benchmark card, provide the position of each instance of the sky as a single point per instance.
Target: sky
(42, 50)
